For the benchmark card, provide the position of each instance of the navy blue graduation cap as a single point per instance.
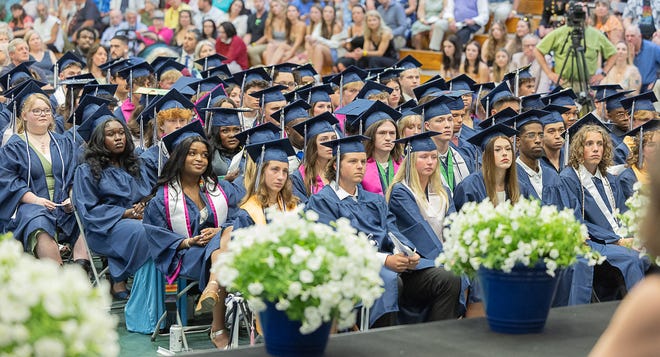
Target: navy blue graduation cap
(456, 100)
(192, 129)
(513, 78)
(211, 61)
(555, 108)
(500, 92)
(373, 88)
(651, 125)
(224, 116)
(79, 81)
(354, 109)
(88, 105)
(522, 119)
(373, 72)
(408, 62)
(168, 65)
(159, 61)
(643, 101)
(498, 118)
(274, 150)
(221, 71)
(209, 99)
(345, 145)
(604, 90)
(376, 112)
(252, 74)
(349, 75)
(386, 74)
(285, 67)
(320, 93)
(259, 134)
(479, 87)
(461, 82)
(483, 137)
(182, 85)
(114, 66)
(322, 123)
(306, 70)
(434, 87)
(419, 142)
(296, 110)
(406, 108)
(588, 119)
(205, 84)
(150, 95)
(613, 101)
(565, 98)
(67, 60)
(96, 118)
(172, 99)
(99, 89)
(16, 105)
(19, 87)
(532, 101)
(141, 69)
(436, 107)
(22, 71)
(551, 118)
(270, 94)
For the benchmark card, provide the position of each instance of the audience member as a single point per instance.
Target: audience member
(88, 15)
(119, 47)
(123, 5)
(254, 37)
(230, 45)
(466, 17)
(97, 56)
(185, 24)
(523, 28)
(646, 56)
(624, 73)
(393, 15)
(172, 13)
(429, 21)
(552, 16)
(326, 39)
(606, 22)
(116, 23)
(495, 41)
(187, 56)
(275, 31)
(472, 64)
(645, 14)
(157, 32)
(237, 15)
(500, 65)
(209, 30)
(207, 12)
(20, 22)
(45, 58)
(527, 57)
(289, 50)
(48, 27)
(452, 54)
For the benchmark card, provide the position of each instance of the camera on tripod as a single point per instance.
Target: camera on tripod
(576, 15)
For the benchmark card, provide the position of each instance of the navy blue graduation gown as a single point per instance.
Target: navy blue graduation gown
(546, 163)
(370, 216)
(625, 181)
(13, 185)
(473, 189)
(553, 193)
(621, 153)
(149, 166)
(101, 205)
(603, 238)
(299, 186)
(195, 261)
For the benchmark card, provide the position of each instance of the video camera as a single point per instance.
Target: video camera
(576, 15)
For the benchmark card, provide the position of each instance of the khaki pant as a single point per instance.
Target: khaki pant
(254, 54)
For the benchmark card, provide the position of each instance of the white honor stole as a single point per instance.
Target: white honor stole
(434, 213)
(586, 180)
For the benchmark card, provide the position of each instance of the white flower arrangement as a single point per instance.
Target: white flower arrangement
(637, 205)
(482, 235)
(314, 272)
(49, 310)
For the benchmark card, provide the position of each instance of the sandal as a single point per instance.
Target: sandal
(215, 334)
(207, 300)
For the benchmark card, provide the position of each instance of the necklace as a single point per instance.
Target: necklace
(43, 144)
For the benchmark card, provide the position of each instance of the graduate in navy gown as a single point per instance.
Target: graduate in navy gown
(423, 283)
(642, 109)
(173, 111)
(107, 191)
(309, 178)
(597, 197)
(225, 124)
(183, 220)
(36, 173)
(498, 178)
(543, 183)
(437, 117)
(639, 158)
(553, 138)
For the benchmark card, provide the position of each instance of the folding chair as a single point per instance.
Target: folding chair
(94, 258)
(238, 311)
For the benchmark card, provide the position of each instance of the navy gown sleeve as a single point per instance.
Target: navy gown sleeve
(299, 187)
(409, 220)
(472, 189)
(621, 154)
(325, 205)
(98, 216)
(149, 165)
(162, 241)
(234, 194)
(625, 181)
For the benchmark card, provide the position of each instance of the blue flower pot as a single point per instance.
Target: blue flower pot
(517, 302)
(283, 337)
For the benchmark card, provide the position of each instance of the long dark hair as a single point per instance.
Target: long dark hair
(98, 157)
(454, 61)
(229, 29)
(214, 35)
(175, 164)
(466, 63)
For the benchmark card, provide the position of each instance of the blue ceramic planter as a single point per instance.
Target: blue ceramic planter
(517, 302)
(283, 337)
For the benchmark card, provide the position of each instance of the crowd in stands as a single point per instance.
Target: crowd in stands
(166, 126)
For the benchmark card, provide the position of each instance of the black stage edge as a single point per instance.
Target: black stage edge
(570, 331)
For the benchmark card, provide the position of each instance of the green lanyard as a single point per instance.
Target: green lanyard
(448, 170)
(386, 178)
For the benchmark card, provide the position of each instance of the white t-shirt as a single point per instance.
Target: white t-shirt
(44, 28)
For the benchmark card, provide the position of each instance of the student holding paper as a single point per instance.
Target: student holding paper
(423, 285)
